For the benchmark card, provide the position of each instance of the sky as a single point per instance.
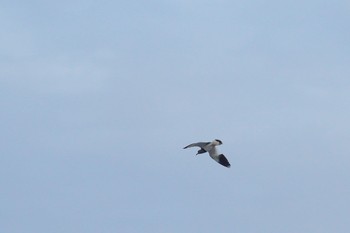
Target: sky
(98, 98)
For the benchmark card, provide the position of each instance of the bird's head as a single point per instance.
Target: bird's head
(217, 142)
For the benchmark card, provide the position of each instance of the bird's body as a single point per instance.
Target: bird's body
(210, 147)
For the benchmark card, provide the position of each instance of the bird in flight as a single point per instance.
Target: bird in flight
(210, 147)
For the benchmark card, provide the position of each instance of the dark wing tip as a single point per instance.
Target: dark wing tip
(223, 161)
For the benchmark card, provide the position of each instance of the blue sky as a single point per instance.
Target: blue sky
(98, 99)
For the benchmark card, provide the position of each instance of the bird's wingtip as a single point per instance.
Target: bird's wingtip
(223, 161)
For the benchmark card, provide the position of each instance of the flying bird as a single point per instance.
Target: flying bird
(210, 147)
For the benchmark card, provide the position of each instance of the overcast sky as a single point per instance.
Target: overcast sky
(98, 98)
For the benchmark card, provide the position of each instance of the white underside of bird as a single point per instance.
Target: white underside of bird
(210, 147)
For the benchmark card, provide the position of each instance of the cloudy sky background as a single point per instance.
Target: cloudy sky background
(99, 97)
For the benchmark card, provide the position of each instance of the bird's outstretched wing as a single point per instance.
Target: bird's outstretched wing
(200, 144)
(220, 158)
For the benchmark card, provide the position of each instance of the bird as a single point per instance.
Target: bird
(210, 147)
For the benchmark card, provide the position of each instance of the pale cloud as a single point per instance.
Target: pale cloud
(61, 76)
